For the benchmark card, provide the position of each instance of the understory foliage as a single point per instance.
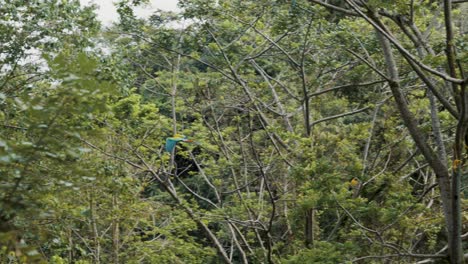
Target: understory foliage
(300, 151)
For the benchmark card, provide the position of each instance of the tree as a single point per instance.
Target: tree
(298, 152)
(431, 73)
(40, 91)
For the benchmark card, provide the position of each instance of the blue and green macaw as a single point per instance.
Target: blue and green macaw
(171, 142)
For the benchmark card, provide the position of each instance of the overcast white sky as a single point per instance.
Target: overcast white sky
(107, 12)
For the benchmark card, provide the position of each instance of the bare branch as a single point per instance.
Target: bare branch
(133, 164)
(385, 32)
(399, 256)
(368, 64)
(338, 116)
(345, 86)
(335, 8)
(202, 172)
(195, 193)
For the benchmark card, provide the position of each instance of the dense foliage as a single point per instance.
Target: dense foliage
(321, 132)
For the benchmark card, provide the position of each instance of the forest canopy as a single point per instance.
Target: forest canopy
(234, 131)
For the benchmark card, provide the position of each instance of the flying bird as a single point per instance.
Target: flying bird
(171, 142)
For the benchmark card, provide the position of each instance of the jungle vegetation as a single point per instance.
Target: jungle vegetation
(304, 131)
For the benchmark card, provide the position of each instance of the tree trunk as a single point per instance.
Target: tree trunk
(94, 230)
(115, 233)
(309, 227)
(434, 161)
(455, 244)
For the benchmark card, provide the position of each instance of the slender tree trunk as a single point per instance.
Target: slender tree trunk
(70, 245)
(309, 227)
(115, 233)
(434, 161)
(310, 213)
(94, 229)
(236, 242)
(455, 245)
(175, 72)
